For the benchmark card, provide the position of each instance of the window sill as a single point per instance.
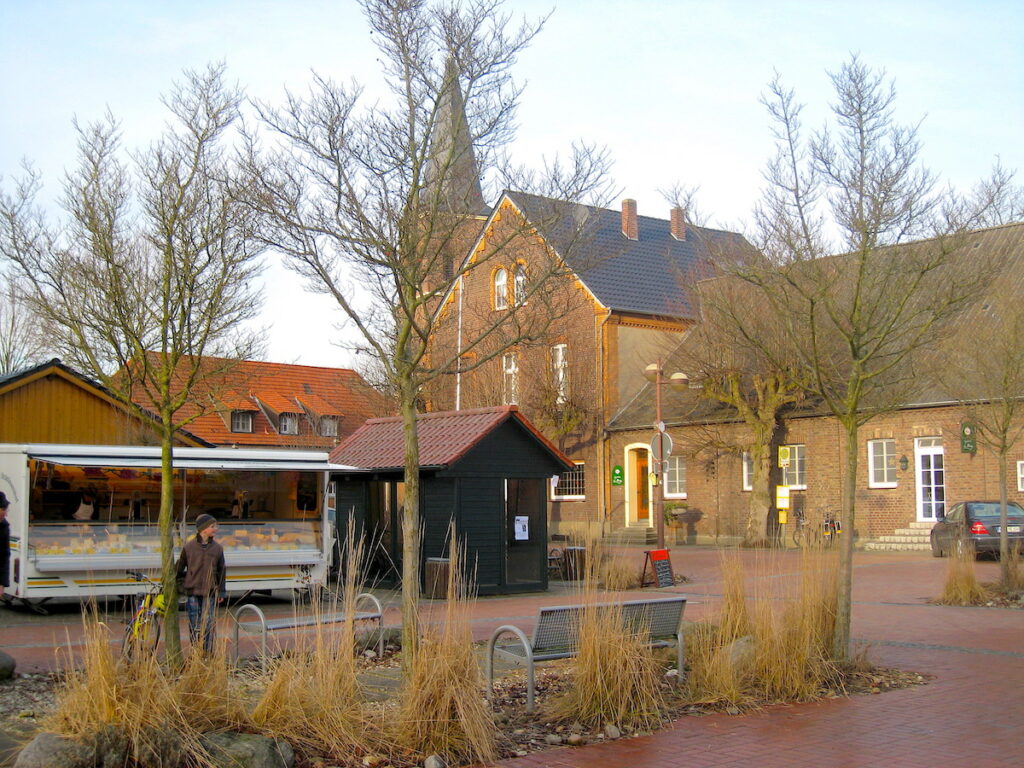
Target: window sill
(674, 496)
(876, 486)
(568, 498)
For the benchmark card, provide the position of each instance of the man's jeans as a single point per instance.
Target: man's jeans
(201, 619)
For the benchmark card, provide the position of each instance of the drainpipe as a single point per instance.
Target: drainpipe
(458, 350)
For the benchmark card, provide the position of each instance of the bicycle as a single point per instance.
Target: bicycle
(142, 635)
(805, 534)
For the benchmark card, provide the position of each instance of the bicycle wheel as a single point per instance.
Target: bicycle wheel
(798, 535)
(142, 635)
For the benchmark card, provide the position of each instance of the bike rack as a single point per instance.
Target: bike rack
(263, 627)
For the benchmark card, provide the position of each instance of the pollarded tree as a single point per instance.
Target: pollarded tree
(379, 205)
(150, 268)
(856, 323)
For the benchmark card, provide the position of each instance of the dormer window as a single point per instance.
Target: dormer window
(289, 424)
(501, 288)
(241, 421)
(329, 426)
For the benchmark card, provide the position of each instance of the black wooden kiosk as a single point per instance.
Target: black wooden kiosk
(489, 469)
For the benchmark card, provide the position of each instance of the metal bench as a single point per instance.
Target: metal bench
(554, 636)
(262, 625)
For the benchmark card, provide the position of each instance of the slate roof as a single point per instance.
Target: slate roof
(1004, 244)
(650, 275)
(444, 438)
(282, 388)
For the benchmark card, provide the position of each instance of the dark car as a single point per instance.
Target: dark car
(977, 522)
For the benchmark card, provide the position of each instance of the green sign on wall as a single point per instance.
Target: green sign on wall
(968, 439)
(617, 477)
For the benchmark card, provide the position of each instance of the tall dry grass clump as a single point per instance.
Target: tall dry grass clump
(614, 676)
(441, 708)
(311, 696)
(962, 586)
(776, 650)
(617, 573)
(139, 711)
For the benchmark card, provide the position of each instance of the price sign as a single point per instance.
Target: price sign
(661, 568)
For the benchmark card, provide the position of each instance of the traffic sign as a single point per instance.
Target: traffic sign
(666, 448)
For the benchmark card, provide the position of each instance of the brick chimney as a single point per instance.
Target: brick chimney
(630, 227)
(677, 223)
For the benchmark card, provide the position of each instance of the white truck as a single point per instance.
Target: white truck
(83, 516)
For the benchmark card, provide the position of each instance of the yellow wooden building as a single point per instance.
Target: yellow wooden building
(52, 403)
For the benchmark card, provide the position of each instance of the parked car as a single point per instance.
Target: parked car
(977, 522)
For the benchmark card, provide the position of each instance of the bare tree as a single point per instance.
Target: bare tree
(23, 341)
(724, 354)
(984, 368)
(855, 324)
(149, 270)
(377, 205)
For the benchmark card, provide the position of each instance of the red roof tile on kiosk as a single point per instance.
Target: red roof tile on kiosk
(444, 438)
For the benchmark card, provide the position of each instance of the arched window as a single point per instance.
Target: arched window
(520, 285)
(501, 288)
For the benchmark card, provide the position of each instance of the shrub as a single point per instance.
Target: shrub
(962, 586)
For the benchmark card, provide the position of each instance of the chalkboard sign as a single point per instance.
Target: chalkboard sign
(661, 568)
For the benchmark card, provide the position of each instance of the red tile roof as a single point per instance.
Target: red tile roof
(444, 438)
(337, 391)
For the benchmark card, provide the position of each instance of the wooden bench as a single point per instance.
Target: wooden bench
(554, 636)
(261, 625)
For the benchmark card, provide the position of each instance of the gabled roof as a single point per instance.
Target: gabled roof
(280, 387)
(444, 438)
(651, 275)
(55, 367)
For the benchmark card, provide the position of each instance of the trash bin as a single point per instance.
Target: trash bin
(575, 563)
(435, 577)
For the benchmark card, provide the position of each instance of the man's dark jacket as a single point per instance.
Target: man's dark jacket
(201, 569)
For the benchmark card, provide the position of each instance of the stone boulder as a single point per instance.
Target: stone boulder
(48, 750)
(7, 665)
(247, 750)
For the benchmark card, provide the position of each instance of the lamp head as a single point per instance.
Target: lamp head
(679, 381)
(651, 372)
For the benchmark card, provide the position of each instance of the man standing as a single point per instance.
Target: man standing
(201, 576)
(5, 549)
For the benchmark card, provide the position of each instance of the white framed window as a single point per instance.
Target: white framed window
(1020, 475)
(519, 285)
(510, 378)
(675, 478)
(560, 372)
(795, 475)
(882, 463)
(241, 421)
(289, 424)
(501, 288)
(571, 485)
(748, 471)
(329, 426)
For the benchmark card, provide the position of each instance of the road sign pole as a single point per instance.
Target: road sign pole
(659, 489)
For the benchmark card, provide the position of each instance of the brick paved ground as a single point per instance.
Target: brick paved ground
(972, 714)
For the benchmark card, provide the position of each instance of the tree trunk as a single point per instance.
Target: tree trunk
(756, 534)
(1004, 539)
(172, 635)
(410, 526)
(844, 587)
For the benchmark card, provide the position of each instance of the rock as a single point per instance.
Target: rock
(741, 651)
(672, 675)
(519, 753)
(247, 750)
(434, 761)
(371, 761)
(612, 731)
(575, 739)
(370, 654)
(576, 728)
(48, 750)
(7, 665)
(553, 739)
(26, 713)
(732, 710)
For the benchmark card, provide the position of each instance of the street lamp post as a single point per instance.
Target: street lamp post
(655, 374)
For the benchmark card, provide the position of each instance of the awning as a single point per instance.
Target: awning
(184, 458)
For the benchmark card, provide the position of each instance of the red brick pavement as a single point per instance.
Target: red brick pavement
(971, 714)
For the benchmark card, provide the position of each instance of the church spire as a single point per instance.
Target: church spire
(451, 172)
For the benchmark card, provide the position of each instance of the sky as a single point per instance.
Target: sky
(671, 88)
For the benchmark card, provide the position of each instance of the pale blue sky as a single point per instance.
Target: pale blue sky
(670, 87)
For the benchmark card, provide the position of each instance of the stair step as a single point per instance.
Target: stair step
(896, 546)
(922, 525)
(904, 538)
